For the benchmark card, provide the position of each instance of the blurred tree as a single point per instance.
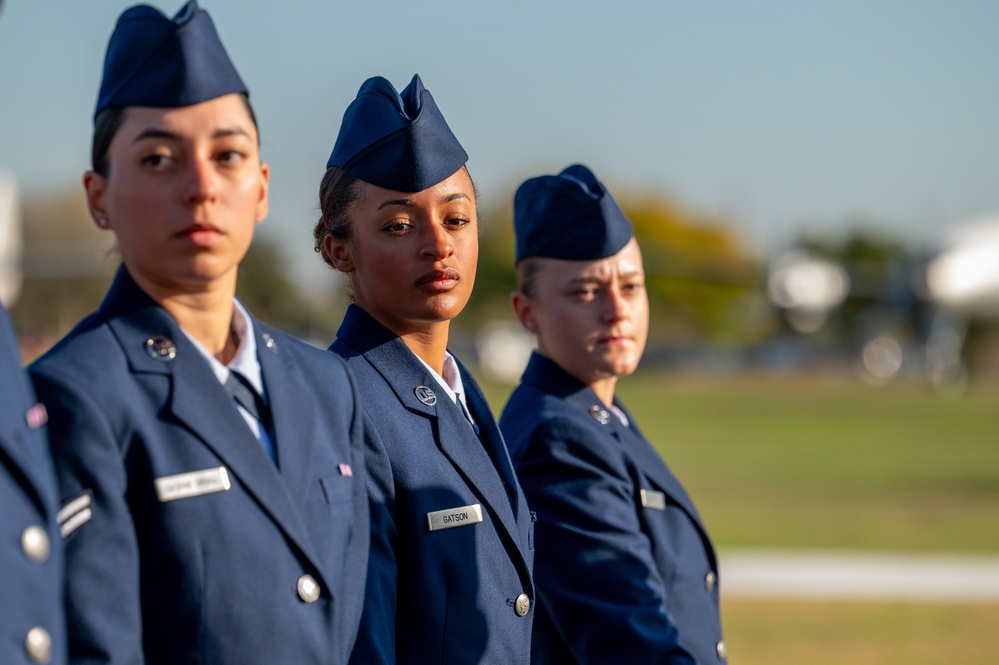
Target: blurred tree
(267, 289)
(68, 265)
(883, 296)
(887, 299)
(703, 283)
(874, 262)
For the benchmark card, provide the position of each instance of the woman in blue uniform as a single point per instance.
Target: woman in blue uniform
(32, 624)
(450, 573)
(625, 570)
(210, 467)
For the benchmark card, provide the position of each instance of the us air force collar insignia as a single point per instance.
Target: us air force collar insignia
(600, 414)
(161, 348)
(425, 395)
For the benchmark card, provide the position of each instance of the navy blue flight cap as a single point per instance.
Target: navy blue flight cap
(396, 141)
(156, 61)
(569, 216)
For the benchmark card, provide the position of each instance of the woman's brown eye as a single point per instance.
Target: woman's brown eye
(154, 160)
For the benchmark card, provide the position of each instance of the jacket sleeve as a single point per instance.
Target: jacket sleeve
(101, 551)
(594, 568)
(375, 643)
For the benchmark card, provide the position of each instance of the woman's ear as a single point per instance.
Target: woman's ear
(94, 184)
(263, 203)
(339, 254)
(523, 310)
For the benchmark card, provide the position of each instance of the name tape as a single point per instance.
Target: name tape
(194, 483)
(453, 517)
(653, 499)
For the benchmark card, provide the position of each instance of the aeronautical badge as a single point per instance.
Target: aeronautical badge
(425, 395)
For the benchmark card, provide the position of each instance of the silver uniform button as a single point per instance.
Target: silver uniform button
(709, 581)
(308, 588)
(722, 651)
(38, 644)
(522, 605)
(35, 543)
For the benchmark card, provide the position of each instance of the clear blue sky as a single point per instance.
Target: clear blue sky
(782, 115)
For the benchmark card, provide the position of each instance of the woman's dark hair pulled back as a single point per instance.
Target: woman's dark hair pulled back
(337, 192)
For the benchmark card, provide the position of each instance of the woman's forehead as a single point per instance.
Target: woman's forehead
(626, 262)
(457, 187)
(216, 118)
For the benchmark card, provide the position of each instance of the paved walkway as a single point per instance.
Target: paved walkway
(859, 576)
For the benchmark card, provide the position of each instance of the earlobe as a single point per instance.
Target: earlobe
(95, 185)
(338, 253)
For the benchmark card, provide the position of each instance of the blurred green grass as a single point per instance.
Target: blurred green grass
(770, 632)
(829, 462)
(825, 461)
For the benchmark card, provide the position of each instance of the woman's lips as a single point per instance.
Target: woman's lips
(200, 234)
(439, 280)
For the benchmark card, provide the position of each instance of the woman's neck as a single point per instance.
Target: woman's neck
(205, 312)
(429, 344)
(604, 388)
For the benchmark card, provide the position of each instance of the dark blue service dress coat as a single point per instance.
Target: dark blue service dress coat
(447, 583)
(31, 609)
(184, 542)
(625, 570)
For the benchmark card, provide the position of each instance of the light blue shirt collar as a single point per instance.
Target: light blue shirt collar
(450, 382)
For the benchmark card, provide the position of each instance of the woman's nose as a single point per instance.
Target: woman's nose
(201, 181)
(439, 243)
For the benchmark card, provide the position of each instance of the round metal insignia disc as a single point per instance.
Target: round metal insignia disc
(425, 395)
(161, 348)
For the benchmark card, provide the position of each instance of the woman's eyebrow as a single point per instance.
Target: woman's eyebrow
(454, 197)
(406, 203)
(160, 133)
(155, 133)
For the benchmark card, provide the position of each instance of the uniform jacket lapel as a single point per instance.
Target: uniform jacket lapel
(551, 378)
(197, 399)
(491, 438)
(404, 373)
(293, 417)
(653, 465)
